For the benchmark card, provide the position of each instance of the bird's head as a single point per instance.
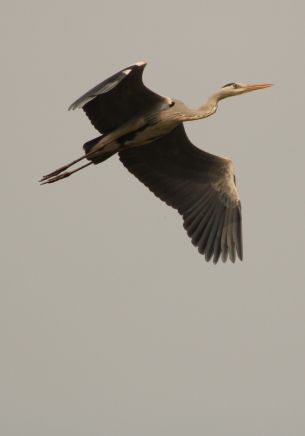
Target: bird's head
(231, 89)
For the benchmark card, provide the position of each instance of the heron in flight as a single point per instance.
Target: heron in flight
(146, 129)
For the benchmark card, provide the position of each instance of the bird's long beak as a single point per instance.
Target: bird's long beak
(254, 86)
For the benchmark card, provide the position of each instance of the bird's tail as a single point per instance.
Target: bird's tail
(93, 155)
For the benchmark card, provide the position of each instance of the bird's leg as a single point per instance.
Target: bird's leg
(65, 167)
(57, 176)
(104, 142)
(61, 169)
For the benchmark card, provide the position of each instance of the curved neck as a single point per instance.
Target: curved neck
(209, 107)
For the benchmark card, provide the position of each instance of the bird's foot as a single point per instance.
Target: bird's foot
(54, 173)
(59, 174)
(54, 178)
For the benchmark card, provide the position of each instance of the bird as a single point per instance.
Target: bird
(147, 131)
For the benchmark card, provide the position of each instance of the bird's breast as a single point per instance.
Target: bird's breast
(147, 133)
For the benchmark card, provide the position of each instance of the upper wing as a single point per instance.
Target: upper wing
(118, 99)
(199, 185)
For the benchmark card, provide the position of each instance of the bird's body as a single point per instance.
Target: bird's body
(146, 129)
(140, 130)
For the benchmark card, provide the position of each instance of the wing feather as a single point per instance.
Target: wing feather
(209, 247)
(118, 99)
(198, 184)
(217, 244)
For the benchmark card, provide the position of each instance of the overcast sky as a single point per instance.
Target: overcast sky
(112, 324)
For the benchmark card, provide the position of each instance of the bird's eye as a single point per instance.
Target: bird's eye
(235, 85)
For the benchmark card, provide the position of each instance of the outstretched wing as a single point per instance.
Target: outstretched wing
(199, 185)
(118, 99)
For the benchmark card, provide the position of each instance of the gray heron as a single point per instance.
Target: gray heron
(146, 130)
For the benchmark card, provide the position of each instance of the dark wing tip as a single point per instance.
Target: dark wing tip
(216, 231)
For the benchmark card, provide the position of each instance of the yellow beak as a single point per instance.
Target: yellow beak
(253, 87)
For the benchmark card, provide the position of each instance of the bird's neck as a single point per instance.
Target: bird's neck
(209, 107)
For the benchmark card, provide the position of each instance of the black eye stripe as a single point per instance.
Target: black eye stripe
(231, 84)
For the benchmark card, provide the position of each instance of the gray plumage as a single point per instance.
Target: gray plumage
(147, 131)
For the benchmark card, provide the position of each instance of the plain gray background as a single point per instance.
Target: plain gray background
(111, 322)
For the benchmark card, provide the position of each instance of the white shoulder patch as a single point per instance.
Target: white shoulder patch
(140, 63)
(169, 101)
(127, 71)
